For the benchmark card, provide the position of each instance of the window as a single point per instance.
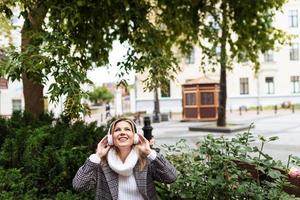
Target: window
(166, 91)
(16, 104)
(3, 83)
(268, 56)
(295, 84)
(293, 18)
(270, 85)
(190, 99)
(244, 86)
(207, 98)
(294, 51)
(190, 58)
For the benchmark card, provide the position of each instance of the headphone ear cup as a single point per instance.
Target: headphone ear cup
(136, 139)
(110, 140)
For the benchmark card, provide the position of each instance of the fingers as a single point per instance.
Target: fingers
(103, 144)
(104, 140)
(144, 145)
(106, 147)
(152, 141)
(142, 138)
(102, 147)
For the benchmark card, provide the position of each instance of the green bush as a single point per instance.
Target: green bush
(39, 158)
(222, 168)
(13, 185)
(44, 154)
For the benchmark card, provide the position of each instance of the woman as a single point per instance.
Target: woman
(124, 166)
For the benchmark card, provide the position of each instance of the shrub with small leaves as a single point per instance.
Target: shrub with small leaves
(222, 168)
(44, 154)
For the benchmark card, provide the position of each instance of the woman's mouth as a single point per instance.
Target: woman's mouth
(123, 139)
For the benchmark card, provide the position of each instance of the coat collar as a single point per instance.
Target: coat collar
(141, 180)
(112, 181)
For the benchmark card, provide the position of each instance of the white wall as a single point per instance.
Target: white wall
(14, 91)
(281, 69)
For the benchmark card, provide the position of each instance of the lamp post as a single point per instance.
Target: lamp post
(147, 129)
(148, 132)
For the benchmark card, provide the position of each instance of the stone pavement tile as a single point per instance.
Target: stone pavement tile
(285, 125)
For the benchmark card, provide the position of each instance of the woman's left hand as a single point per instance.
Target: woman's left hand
(143, 146)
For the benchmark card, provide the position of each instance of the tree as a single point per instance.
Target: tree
(241, 29)
(5, 33)
(5, 28)
(100, 95)
(65, 39)
(159, 60)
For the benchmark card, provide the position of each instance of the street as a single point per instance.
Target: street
(284, 124)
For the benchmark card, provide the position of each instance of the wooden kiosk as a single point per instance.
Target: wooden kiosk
(200, 99)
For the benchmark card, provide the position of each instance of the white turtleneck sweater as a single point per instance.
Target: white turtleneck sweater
(127, 188)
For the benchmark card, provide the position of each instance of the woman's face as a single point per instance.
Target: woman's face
(123, 134)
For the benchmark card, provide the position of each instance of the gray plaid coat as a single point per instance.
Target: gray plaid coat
(105, 181)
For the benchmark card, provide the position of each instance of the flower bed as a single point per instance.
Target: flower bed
(293, 176)
(228, 169)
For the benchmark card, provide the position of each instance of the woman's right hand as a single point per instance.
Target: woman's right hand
(102, 147)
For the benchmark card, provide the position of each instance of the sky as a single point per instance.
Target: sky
(108, 73)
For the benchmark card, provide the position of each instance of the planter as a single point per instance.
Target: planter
(164, 117)
(294, 189)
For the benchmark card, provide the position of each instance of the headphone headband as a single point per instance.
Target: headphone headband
(131, 122)
(133, 126)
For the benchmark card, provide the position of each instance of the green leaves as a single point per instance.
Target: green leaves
(13, 185)
(62, 40)
(275, 174)
(223, 168)
(39, 158)
(226, 31)
(100, 95)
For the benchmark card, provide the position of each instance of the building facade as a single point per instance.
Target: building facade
(277, 81)
(11, 97)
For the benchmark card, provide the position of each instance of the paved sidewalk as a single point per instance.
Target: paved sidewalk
(284, 124)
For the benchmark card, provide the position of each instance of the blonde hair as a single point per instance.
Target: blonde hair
(129, 121)
(142, 157)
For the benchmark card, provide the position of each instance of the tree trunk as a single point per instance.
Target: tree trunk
(33, 96)
(222, 98)
(156, 106)
(32, 89)
(223, 62)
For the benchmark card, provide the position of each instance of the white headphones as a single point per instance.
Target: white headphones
(132, 123)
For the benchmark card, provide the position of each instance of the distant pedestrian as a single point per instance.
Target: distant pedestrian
(107, 110)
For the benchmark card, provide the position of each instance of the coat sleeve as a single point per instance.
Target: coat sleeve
(162, 170)
(85, 178)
